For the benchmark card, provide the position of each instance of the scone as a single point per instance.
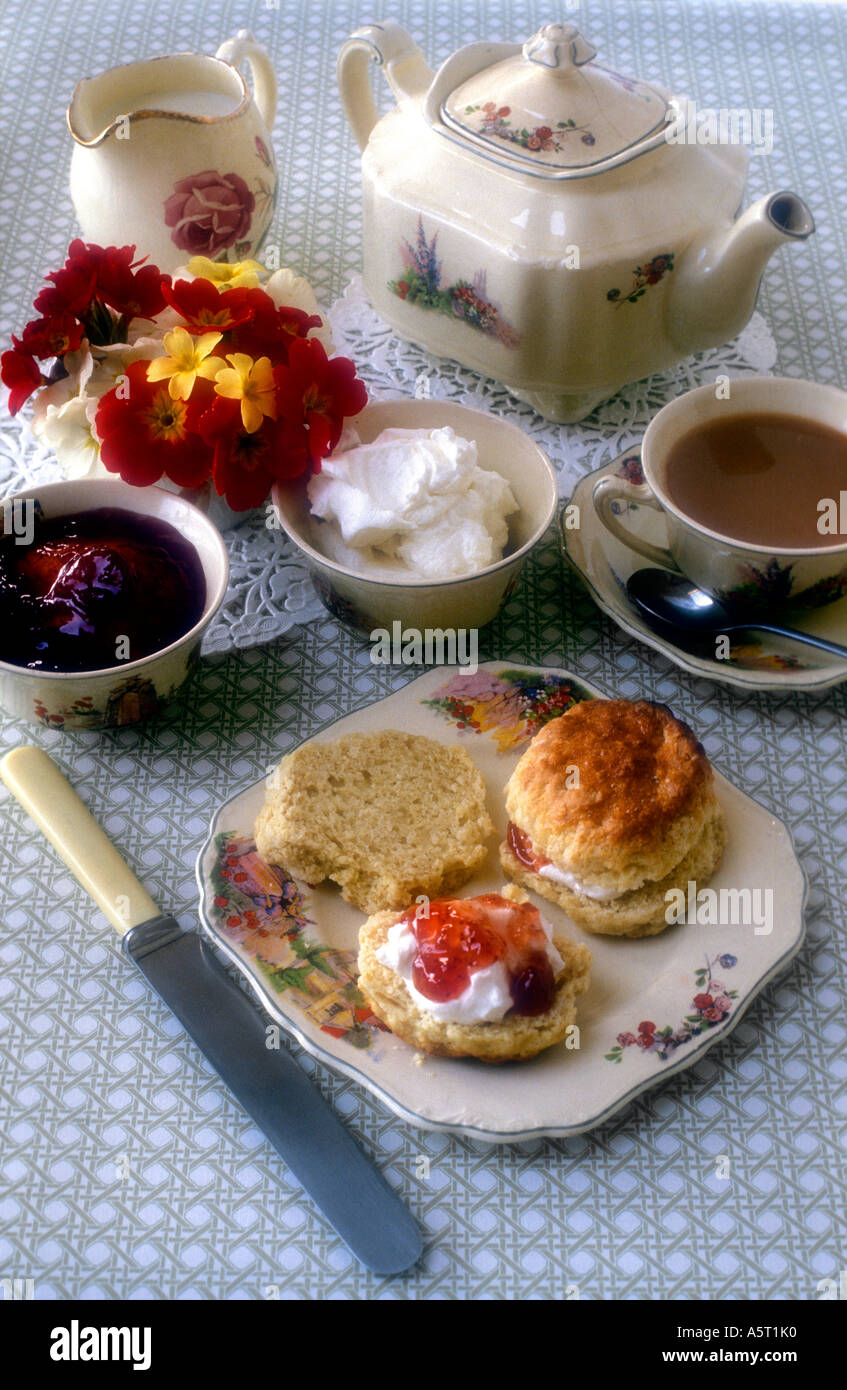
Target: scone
(612, 806)
(499, 985)
(386, 816)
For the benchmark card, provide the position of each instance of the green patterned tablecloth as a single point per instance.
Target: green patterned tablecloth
(126, 1170)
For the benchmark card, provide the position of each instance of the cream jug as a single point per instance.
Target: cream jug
(545, 220)
(174, 155)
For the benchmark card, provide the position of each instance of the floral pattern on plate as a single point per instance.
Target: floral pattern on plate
(712, 1004)
(511, 705)
(263, 912)
(562, 1091)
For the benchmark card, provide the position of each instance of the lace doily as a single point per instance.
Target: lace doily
(270, 588)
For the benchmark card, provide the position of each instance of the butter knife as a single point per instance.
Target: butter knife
(225, 1024)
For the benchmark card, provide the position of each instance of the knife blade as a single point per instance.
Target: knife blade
(225, 1024)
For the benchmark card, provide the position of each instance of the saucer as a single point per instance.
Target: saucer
(758, 661)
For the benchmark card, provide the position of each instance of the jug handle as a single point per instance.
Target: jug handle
(244, 45)
(391, 48)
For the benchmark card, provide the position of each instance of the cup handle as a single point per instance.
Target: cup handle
(244, 45)
(609, 490)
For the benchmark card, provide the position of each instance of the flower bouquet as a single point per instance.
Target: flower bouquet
(208, 377)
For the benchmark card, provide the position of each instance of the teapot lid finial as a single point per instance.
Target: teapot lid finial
(559, 46)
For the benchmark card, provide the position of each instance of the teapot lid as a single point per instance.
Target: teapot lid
(549, 109)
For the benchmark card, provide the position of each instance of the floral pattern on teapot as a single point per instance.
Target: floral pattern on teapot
(495, 121)
(643, 277)
(420, 283)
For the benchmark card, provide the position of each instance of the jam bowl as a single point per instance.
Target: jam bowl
(368, 600)
(106, 591)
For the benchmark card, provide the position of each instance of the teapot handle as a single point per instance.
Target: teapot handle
(391, 48)
(244, 45)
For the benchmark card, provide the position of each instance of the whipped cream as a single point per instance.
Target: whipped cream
(588, 890)
(411, 502)
(487, 998)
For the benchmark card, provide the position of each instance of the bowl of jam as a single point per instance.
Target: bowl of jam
(105, 593)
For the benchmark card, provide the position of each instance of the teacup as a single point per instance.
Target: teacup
(730, 569)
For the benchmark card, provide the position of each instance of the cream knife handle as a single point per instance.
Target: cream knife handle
(49, 798)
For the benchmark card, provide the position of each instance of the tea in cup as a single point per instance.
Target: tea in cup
(753, 489)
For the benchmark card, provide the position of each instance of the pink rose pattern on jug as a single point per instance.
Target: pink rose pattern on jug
(209, 212)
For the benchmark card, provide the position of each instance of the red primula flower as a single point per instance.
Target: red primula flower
(270, 331)
(130, 291)
(21, 374)
(88, 256)
(266, 331)
(246, 465)
(70, 293)
(108, 273)
(51, 337)
(318, 392)
(145, 433)
(203, 306)
(132, 294)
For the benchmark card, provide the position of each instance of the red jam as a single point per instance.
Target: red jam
(80, 593)
(523, 849)
(462, 935)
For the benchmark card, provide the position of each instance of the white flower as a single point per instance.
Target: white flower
(68, 431)
(79, 365)
(286, 288)
(115, 359)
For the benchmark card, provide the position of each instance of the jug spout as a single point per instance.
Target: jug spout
(188, 88)
(85, 115)
(717, 280)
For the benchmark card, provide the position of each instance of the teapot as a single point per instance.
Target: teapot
(174, 154)
(547, 221)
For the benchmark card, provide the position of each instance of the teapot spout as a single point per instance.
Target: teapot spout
(717, 280)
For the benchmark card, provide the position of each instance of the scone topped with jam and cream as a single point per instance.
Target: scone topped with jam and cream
(387, 816)
(472, 977)
(610, 807)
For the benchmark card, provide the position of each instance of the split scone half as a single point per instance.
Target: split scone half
(611, 806)
(387, 816)
(386, 979)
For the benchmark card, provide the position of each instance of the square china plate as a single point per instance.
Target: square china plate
(654, 1006)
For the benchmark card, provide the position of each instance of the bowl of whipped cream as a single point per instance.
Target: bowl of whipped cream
(424, 514)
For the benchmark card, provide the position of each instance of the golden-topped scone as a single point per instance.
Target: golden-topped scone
(387, 816)
(610, 807)
(477, 977)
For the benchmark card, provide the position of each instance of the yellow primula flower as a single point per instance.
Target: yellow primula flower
(226, 275)
(252, 383)
(188, 358)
